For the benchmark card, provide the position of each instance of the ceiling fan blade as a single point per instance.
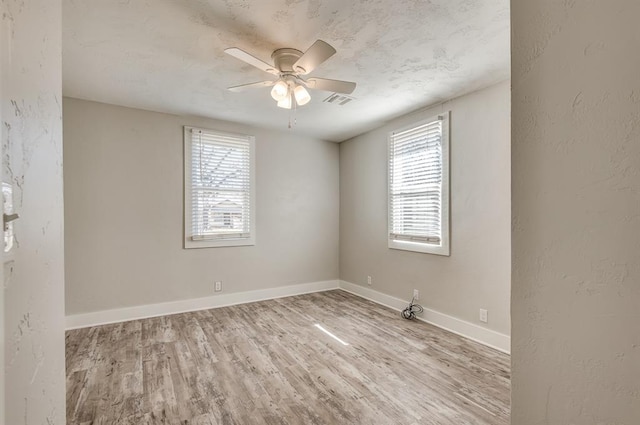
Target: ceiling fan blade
(251, 60)
(337, 86)
(243, 87)
(314, 56)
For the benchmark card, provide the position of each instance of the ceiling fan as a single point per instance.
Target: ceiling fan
(289, 65)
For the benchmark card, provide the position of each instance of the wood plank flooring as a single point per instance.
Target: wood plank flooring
(268, 363)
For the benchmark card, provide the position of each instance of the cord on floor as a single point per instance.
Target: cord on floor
(409, 313)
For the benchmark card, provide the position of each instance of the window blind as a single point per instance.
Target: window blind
(219, 186)
(416, 183)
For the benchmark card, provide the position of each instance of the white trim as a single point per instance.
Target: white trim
(460, 327)
(105, 317)
(189, 241)
(443, 246)
(488, 337)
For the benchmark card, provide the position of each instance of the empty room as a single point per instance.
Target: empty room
(320, 212)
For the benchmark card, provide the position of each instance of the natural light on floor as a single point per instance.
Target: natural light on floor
(330, 334)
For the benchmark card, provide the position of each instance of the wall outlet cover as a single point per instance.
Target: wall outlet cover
(484, 315)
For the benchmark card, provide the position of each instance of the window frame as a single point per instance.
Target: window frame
(188, 240)
(444, 247)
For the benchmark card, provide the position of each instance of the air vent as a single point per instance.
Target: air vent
(338, 99)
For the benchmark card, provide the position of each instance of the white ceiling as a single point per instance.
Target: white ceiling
(167, 55)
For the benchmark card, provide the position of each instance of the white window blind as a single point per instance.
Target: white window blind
(219, 201)
(418, 187)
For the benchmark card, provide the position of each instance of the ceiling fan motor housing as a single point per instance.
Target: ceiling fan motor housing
(284, 59)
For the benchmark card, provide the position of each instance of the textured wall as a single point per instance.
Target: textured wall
(124, 211)
(32, 163)
(476, 275)
(576, 212)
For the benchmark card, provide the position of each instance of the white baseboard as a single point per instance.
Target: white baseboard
(466, 329)
(104, 317)
(488, 337)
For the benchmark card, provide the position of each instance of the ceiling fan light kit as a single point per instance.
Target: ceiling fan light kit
(290, 65)
(285, 93)
(280, 90)
(285, 103)
(302, 95)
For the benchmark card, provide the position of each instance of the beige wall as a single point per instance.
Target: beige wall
(33, 284)
(124, 209)
(576, 212)
(476, 275)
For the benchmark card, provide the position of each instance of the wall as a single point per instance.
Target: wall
(576, 212)
(124, 209)
(32, 163)
(476, 275)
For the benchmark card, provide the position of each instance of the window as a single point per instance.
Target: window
(419, 187)
(219, 194)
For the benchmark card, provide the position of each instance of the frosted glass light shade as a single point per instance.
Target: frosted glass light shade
(280, 91)
(302, 95)
(285, 103)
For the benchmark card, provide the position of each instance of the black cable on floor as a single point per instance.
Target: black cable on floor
(409, 313)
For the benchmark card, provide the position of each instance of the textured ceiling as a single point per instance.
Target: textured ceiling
(167, 55)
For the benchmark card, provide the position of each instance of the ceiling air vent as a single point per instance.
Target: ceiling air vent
(338, 99)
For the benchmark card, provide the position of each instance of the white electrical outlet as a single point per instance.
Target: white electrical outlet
(416, 294)
(369, 280)
(484, 315)
(218, 286)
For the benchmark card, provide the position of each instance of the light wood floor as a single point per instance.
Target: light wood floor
(267, 363)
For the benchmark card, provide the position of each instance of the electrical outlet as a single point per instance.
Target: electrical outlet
(484, 315)
(416, 294)
(218, 286)
(369, 280)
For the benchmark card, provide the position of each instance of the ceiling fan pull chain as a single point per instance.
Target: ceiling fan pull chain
(292, 112)
(295, 109)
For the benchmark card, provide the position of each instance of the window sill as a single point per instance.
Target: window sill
(224, 243)
(423, 248)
